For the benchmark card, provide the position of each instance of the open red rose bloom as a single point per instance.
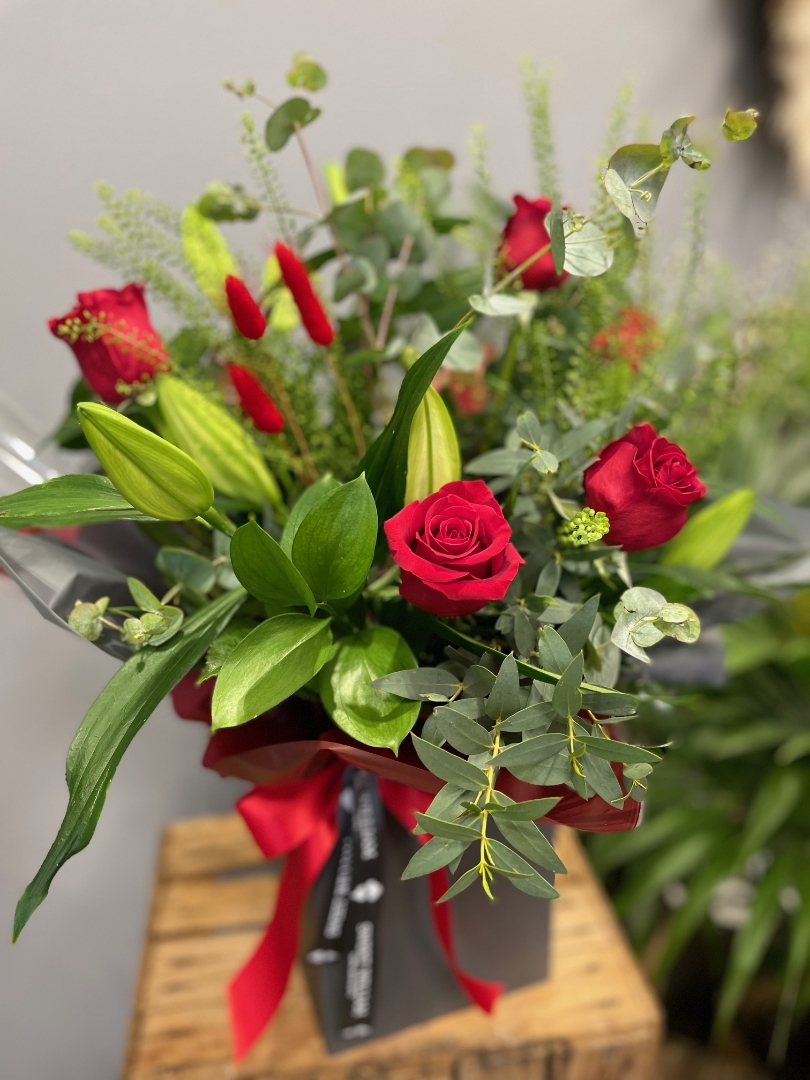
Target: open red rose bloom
(524, 234)
(454, 549)
(644, 484)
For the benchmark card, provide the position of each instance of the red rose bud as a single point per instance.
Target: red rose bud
(114, 342)
(644, 484)
(454, 549)
(245, 312)
(255, 400)
(523, 235)
(297, 281)
(633, 336)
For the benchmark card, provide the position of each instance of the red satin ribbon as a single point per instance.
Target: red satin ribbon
(299, 819)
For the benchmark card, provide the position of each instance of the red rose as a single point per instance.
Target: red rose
(255, 400)
(245, 312)
(297, 281)
(113, 340)
(454, 549)
(524, 234)
(632, 336)
(644, 484)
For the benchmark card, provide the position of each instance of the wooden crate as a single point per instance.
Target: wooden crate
(595, 1018)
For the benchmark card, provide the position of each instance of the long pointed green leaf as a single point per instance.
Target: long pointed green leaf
(386, 462)
(117, 715)
(67, 500)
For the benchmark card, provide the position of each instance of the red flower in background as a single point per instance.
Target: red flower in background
(297, 281)
(644, 484)
(468, 389)
(633, 336)
(255, 400)
(113, 340)
(246, 313)
(523, 235)
(454, 549)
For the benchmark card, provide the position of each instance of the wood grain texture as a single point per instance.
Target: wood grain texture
(595, 1018)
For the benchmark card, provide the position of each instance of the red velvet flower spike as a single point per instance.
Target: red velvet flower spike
(255, 400)
(246, 313)
(297, 281)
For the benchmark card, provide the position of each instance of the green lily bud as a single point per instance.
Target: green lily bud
(208, 255)
(434, 458)
(85, 619)
(585, 527)
(157, 478)
(218, 442)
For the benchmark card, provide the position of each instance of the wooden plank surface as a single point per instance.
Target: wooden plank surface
(595, 1018)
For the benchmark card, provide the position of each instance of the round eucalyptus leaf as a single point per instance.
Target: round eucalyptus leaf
(501, 305)
(587, 252)
(364, 169)
(305, 73)
(282, 123)
(740, 125)
(419, 158)
(634, 178)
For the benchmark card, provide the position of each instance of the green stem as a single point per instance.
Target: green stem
(218, 521)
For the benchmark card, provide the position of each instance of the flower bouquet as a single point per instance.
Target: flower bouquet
(387, 542)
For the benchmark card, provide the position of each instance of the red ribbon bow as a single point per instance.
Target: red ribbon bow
(299, 819)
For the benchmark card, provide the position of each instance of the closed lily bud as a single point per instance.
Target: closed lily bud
(159, 479)
(226, 452)
(255, 400)
(245, 312)
(434, 458)
(208, 256)
(297, 281)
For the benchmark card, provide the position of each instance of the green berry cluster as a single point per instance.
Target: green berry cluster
(585, 527)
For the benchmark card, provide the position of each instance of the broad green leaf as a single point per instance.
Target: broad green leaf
(450, 830)
(478, 681)
(526, 838)
(281, 124)
(587, 252)
(123, 706)
(208, 255)
(531, 718)
(460, 884)
(504, 698)
(433, 855)
(448, 767)
(567, 699)
(531, 751)
(739, 125)
(369, 715)
(577, 629)
(159, 479)
(459, 729)
(303, 505)
(219, 651)
(217, 442)
(422, 684)
(334, 544)
(554, 653)
(556, 233)
(634, 178)
(530, 810)
(708, 535)
(364, 169)
(386, 462)
(266, 572)
(272, 662)
(612, 750)
(66, 500)
(579, 438)
(521, 874)
(602, 778)
(434, 458)
(498, 463)
(187, 568)
(501, 305)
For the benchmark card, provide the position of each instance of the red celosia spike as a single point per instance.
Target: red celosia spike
(255, 400)
(297, 281)
(246, 313)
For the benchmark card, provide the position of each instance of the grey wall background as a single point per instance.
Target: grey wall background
(130, 92)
